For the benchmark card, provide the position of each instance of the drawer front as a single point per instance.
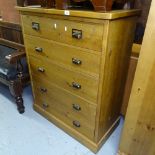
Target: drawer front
(76, 58)
(66, 117)
(77, 83)
(80, 34)
(65, 106)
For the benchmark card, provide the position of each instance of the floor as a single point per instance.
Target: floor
(31, 134)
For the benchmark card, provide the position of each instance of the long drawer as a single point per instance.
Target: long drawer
(67, 107)
(81, 34)
(78, 59)
(77, 83)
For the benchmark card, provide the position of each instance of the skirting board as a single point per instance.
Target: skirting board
(81, 138)
(121, 153)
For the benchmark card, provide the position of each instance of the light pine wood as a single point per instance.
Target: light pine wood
(55, 74)
(60, 104)
(130, 76)
(115, 63)
(84, 14)
(53, 51)
(67, 99)
(128, 85)
(70, 130)
(67, 117)
(61, 31)
(138, 136)
(104, 43)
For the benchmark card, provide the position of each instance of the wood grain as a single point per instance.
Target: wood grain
(84, 14)
(138, 136)
(116, 61)
(60, 103)
(12, 44)
(104, 43)
(70, 130)
(129, 82)
(11, 32)
(61, 31)
(51, 50)
(55, 74)
(130, 76)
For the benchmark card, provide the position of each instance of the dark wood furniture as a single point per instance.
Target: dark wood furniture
(43, 3)
(96, 5)
(13, 67)
(11, 31)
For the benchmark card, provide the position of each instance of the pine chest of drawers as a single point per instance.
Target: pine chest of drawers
(78, 63)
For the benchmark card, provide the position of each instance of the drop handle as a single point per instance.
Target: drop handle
(76, 107)
(76, 124)
(38, 49)
(45, 105)
(76, 85)
(76, 61)
(35, 26)
(43, 90)
(40, 69)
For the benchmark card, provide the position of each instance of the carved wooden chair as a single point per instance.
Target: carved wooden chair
(13, 70)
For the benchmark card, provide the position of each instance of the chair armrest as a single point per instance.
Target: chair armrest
(14, 57)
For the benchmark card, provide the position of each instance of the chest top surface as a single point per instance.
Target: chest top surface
(109, 15)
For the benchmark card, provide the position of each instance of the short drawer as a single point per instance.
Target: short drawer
(77, 83)
(66, 117)
(80, 34)
(77, 58)
(70, 109)
(44, 88)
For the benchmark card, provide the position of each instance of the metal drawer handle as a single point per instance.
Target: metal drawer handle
(76, 61)
(43, 90)
(35, 26)
(40, 69)
(38, 49)
(77, 34)
(76, 85)
(76, 107)
(45, 105)
(76, 124)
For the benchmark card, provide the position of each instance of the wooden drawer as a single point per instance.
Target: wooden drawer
(78, 59)
(67, 118)
(65, 31)
(60, 103)
(65, 106)
(77, 83)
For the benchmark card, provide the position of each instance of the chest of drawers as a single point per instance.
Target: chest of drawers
(78, 64)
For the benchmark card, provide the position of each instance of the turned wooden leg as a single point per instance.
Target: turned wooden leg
(16, 90)
(20, 105)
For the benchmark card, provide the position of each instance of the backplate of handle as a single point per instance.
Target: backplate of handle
(77, 34)
(76, 124)
(43, 90)
(38, 49)
(76, 107)
(41, 69)
(35, 26)
(76, 61)
(45, 105)
(76, 85)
